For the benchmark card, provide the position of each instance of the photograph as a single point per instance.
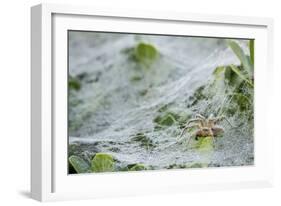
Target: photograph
(142, 102)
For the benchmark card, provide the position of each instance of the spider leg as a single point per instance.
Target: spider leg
(193, 120)
(224, 118)
(182, 132)
(212, 136)
(184, 129)
(200, 116)
(233, 127)
(188, 141)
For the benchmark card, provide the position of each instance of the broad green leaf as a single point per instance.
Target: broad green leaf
(146, 53)
(252, 50)
(102, 162)
(242, 76)
(80, 165)
(241, 56)
(138, 167)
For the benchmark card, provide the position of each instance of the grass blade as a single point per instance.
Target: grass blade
(252, 50)
(241, 56)
(242, 76)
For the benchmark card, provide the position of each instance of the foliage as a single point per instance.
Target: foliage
(145, 53)
(252, 51)
(143, 140)
(168, 116)
(102, 163)
(167, 119)
(79, 165)
(243, 72)
(205, 144)
(138, 167)
(244, 59)
(238, 79)
(74, 83)
(136, 78)
(236, 82)
(204, 148)
(197, 96)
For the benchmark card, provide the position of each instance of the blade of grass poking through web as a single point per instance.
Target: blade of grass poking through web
(252, 50)
(242, 76)
(241, 56)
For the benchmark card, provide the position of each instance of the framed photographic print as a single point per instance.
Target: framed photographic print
(134, 102)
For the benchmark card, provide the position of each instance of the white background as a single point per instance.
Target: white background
(15, 102)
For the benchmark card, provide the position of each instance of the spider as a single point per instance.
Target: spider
(206, 127)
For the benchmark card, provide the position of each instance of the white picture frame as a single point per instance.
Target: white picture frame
(49, 179)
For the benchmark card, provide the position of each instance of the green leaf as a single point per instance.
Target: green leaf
(205, 149)
(219, 71)
(167, 119)
(73, 83)
(241, 56)
(138, 167)
(102, 162)
(205, 144)
(252, 50)
(146, 53)
(242, 76)
(80, 165)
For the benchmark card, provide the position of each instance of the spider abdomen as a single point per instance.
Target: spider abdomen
(204, 132)
(217, 130)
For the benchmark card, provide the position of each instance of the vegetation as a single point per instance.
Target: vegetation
(145, 53)
(138, 167)
(166, 119)
(238, 80)
(74, 83)
(101, 162)
(234, 82)
(79, 165)
(143, 140)
(238, 74)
